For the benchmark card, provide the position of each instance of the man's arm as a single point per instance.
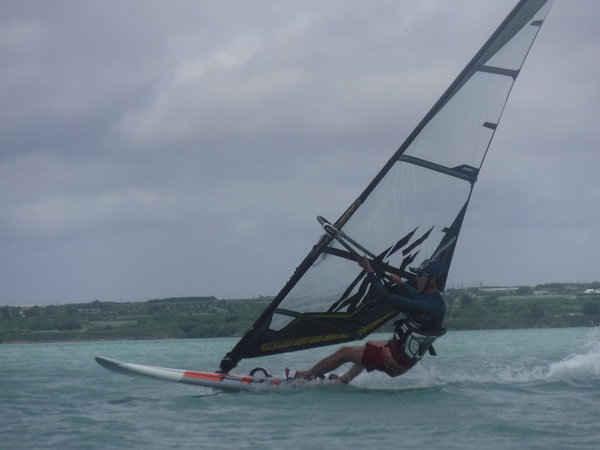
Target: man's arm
(402, 303)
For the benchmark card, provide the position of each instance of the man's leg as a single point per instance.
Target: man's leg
(332, 362)
(352, 373)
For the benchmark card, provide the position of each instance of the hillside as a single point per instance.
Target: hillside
(552, 305)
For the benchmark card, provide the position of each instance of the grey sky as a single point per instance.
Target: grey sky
(155, 149)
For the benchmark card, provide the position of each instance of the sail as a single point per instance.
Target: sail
(411, 211)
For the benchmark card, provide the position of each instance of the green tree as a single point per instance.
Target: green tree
(524, 290)
(466, 300)
(591, 308)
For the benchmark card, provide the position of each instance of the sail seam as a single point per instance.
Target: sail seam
(498, 71)
(469, 175)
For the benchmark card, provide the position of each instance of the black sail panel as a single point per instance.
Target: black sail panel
(411, 211)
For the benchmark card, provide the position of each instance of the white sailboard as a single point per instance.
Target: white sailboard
(258, 380)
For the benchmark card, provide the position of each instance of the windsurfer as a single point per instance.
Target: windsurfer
(424, 308)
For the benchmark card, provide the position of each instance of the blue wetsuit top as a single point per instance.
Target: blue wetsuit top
(425, 311)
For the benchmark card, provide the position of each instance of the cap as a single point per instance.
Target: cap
(431, 267)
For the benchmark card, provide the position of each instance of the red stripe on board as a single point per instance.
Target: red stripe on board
(204, 375)
(220, 377)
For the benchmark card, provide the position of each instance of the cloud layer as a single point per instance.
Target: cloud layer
(152, 149)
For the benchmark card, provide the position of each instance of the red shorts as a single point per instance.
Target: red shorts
(389, 358)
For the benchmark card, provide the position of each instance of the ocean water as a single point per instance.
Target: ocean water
(509, 389)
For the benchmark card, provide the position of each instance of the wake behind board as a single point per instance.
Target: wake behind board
(206, 379)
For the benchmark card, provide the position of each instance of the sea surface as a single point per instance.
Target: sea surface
(508, 389)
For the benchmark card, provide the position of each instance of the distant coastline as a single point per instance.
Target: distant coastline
(551, 305)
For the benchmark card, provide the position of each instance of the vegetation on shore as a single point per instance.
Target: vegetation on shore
(552, 305)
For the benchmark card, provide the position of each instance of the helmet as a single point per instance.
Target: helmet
(431, 267)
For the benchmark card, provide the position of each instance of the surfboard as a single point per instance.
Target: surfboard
(215, 380)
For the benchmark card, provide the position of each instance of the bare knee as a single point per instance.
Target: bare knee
(378, 343)
(343, 350)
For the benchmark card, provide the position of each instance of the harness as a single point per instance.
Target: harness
(415, 342)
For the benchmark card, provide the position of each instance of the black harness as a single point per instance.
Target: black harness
(413, 341)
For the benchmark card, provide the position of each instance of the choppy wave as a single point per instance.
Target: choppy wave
(585, 365)
(581, 366)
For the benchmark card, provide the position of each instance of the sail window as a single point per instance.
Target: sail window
(455, 135)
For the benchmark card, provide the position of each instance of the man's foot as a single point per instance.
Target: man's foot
(297, 374)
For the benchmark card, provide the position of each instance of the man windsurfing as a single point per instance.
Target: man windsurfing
(424, 308)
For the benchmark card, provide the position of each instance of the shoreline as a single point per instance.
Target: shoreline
(158, 338)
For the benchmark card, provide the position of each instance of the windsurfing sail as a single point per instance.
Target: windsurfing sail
(411, 211)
